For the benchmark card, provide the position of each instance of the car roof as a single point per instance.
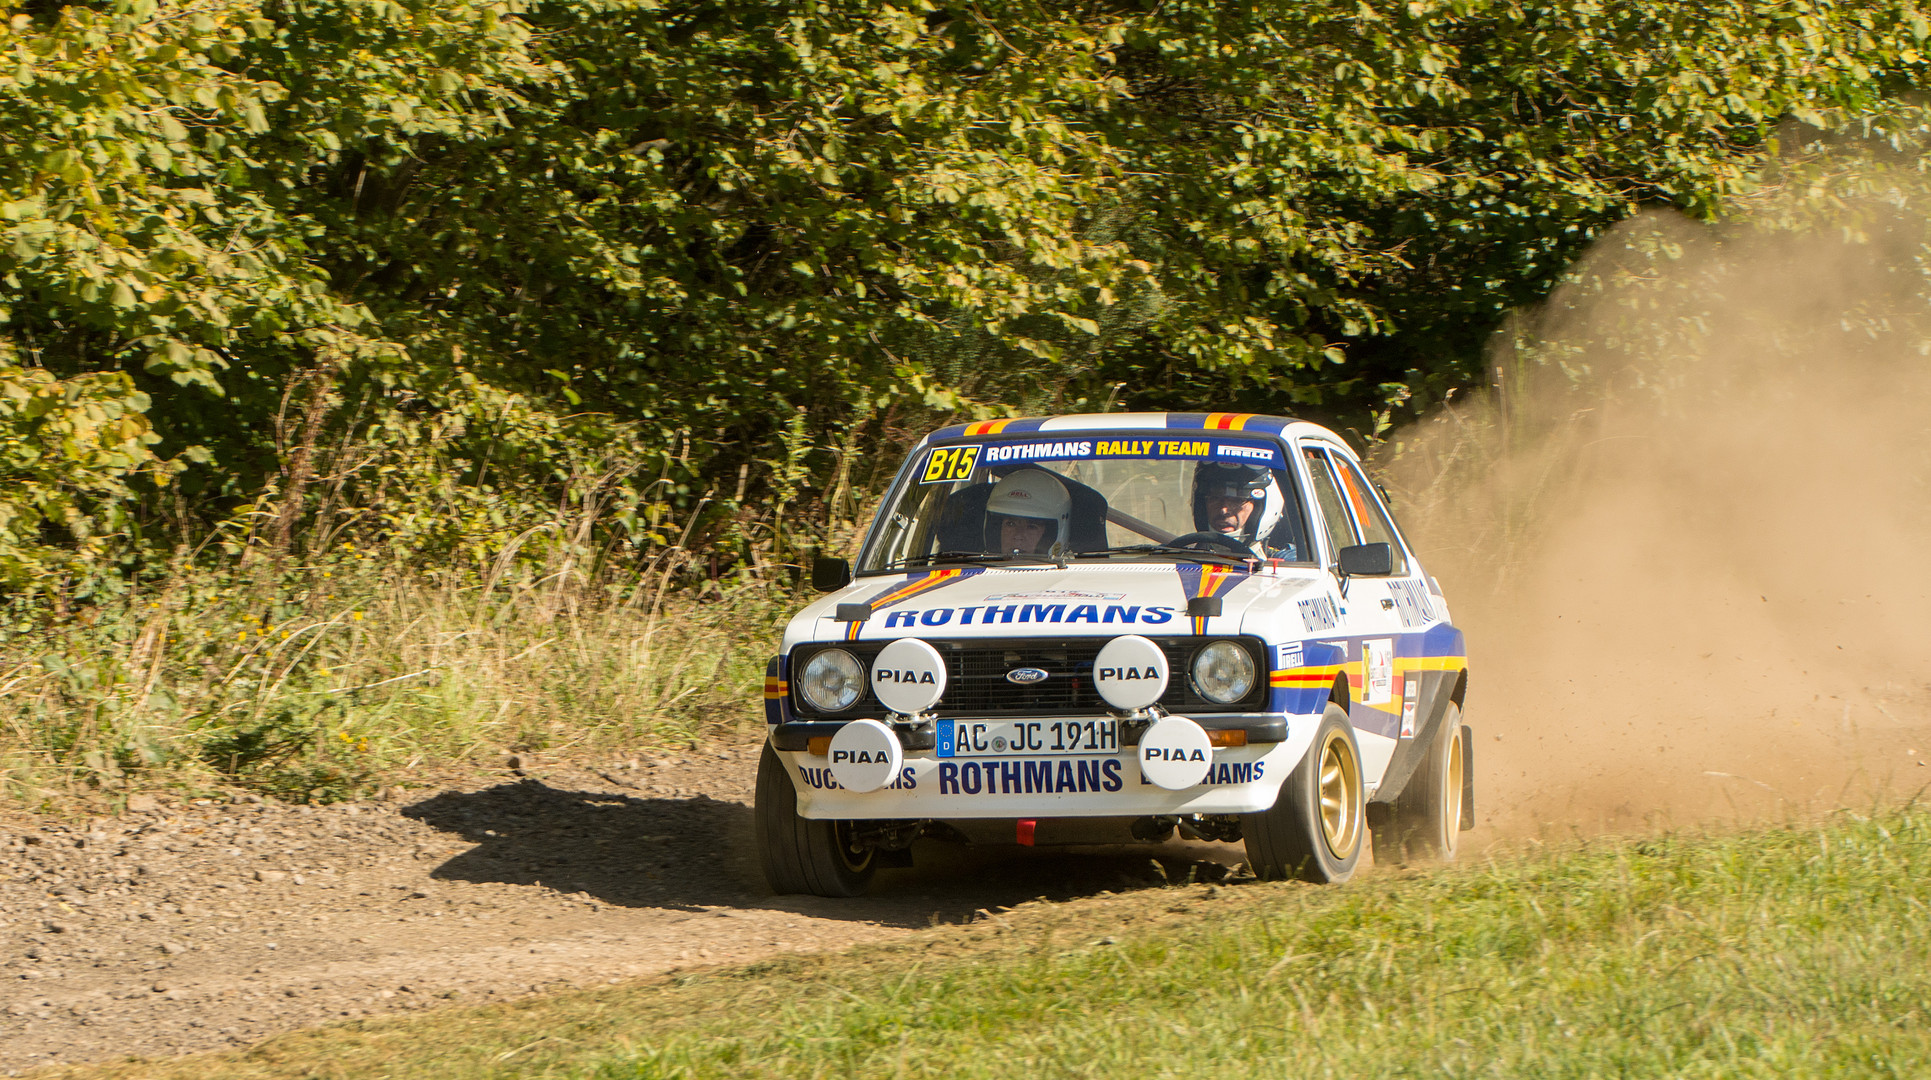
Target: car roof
(1132, 421)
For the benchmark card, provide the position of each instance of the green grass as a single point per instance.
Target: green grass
(1788, 952)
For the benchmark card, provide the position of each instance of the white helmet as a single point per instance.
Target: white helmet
(1029, 493)
(1241, 481)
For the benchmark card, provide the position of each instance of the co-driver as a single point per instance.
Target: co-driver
(1026, 513)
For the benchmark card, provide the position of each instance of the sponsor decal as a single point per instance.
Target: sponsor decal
(1221, 773)
(821, 779)
(1410, 698)
(1377, 671)
(1288, 655)
(1318, 614)
(865, 756)
(1411, 601)
(1043, 776)
(908, 676)
(945, 464)
(1039, 451)
(1130, 672)
(1057, 594)
(1065, 613)
(1245, 453)
(1175, 753)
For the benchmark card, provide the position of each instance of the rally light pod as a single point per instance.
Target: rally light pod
(1175, 753)
(865, 756)
(909, 676)
(1130, 673)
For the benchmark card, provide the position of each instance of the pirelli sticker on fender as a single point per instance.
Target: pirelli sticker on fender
(949, 463)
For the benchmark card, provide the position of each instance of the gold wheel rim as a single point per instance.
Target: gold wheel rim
(1340, 795)
(1452, 798)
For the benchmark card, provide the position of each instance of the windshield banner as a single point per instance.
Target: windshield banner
(949, 463)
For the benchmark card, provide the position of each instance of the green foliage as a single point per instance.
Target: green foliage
(569, 272)
(68, 451)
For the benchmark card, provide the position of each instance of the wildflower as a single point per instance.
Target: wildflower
(358, 616)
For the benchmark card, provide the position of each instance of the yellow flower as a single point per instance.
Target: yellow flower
(358, 616)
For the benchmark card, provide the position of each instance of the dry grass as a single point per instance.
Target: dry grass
(346, 673)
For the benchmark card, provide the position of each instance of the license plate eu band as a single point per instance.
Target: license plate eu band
(1023, 738)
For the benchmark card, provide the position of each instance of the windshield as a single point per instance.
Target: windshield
(1090, 497)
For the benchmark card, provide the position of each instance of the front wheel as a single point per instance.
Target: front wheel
(800, 855)
(1315, 828)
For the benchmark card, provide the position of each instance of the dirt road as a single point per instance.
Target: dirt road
(199, 925)
(204, 924)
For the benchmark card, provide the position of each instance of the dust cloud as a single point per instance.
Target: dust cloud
(1686, 535)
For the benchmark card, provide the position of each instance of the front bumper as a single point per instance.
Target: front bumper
(1243, 779)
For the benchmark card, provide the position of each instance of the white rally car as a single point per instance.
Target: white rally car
(1103, 628)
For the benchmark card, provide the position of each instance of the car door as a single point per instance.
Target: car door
(1371, 615)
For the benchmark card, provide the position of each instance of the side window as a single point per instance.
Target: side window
(1289, 535)
(1327, 494)
(1368, 515)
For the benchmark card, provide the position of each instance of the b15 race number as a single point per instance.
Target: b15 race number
(949, 463)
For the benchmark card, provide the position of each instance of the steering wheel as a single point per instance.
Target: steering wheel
(1212, 539)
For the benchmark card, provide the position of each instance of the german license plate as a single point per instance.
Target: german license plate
(1026, 738)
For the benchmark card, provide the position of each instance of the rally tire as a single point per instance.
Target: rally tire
(1426, 825)
(1318, 824)
(800, 855)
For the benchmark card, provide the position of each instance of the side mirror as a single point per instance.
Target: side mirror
(1368, 560)
(830, 575)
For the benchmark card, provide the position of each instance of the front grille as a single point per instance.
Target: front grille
(976, 684)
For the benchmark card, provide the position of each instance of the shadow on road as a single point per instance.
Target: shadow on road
(698, 853)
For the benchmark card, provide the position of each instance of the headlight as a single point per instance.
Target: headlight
(833, 681)
(1223, 672)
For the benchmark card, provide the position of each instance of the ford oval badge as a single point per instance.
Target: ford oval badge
(1025, 675)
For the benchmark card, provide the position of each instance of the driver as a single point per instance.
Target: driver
(1239, 501)
(1026, 513)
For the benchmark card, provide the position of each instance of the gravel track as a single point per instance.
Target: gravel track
(189, 926)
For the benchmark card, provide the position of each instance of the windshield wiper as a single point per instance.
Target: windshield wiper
(1225, 558)
(969, 556)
